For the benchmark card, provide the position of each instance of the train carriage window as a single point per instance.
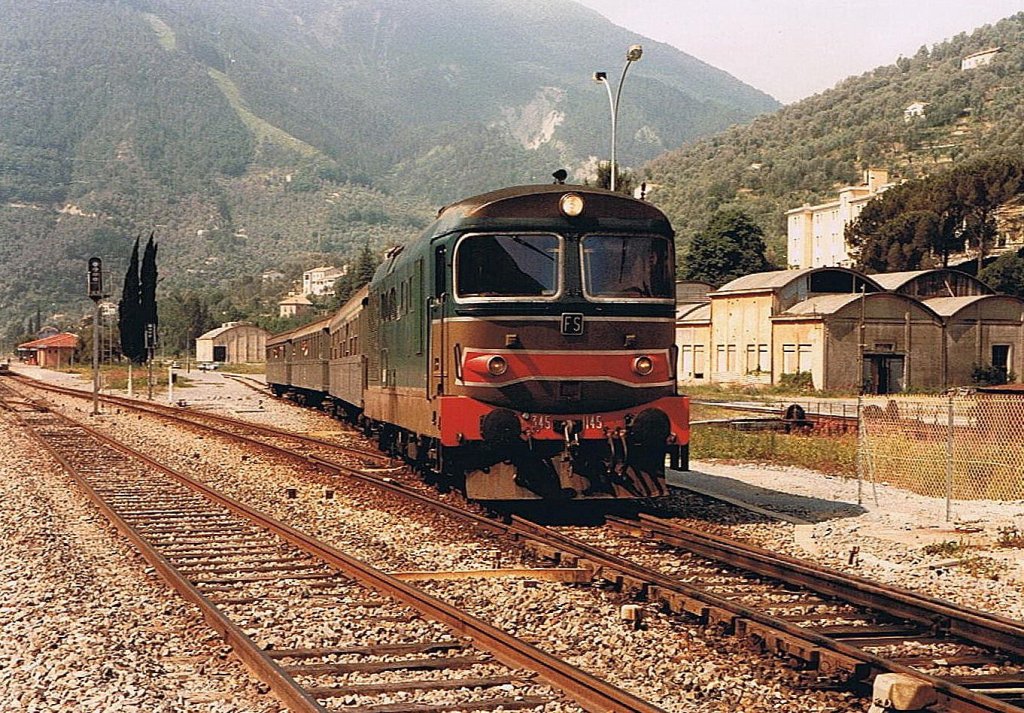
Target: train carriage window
(440, 270)
(507, 266)
(627, 266)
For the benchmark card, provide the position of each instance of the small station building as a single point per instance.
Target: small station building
(232, 343)
(52, 352)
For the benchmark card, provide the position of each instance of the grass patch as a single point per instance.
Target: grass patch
(243, 368)
(707, 412)
(834, 455)
(1010, 538)
(984, 568)
(115, 376)
(946, 548)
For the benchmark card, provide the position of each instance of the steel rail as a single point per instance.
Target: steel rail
(589, 691)
(816, 648)
(175, 412)
(778, 634)
(387, 485)
(978, 627)
(266, 669)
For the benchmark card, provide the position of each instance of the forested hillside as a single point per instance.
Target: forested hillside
(803, 152)
(256, 134)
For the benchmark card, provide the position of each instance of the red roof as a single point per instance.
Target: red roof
(64, 340)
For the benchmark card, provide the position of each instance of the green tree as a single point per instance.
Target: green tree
(185, 316)
(625, 180)
(147, 287)
(365, 267)
(1006, 274)
(129, 312)
(730, 245)
(920, 223)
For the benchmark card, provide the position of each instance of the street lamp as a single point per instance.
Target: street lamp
(633, 54)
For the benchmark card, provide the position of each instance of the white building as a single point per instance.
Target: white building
(914, 110)
(979, 59)
(816, 235)
(320, 280)
(232, 343)
(294, 305)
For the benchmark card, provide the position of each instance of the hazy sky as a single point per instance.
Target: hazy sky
(792, 49)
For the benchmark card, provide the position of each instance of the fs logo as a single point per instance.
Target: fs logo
(572, 323)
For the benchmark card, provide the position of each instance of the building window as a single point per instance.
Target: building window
(720, 358)
(789, 363)
(751, 358)
(804, 357)
(698, 361)
(730, 358)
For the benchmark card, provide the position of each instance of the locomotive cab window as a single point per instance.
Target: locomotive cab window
(507, 266)
(627, 266)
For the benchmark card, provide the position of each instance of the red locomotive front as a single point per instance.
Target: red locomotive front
(554, 352)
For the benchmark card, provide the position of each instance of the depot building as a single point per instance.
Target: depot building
(232, 343)
(840, 329)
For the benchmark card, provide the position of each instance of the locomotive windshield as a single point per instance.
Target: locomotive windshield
(507, 266)
(617, 266)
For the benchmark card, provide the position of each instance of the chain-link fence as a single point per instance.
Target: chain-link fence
(954, 447)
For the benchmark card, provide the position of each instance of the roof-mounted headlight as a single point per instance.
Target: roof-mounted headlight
(571, 204)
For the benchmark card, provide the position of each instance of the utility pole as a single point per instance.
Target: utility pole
(150, 349)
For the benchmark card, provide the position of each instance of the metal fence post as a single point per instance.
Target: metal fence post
(860, 452)
(949, 462)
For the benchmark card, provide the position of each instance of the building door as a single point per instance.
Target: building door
(220, 353)
(1001, 360)
(883, 373)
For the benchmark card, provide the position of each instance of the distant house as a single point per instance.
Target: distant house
(979, 59)
(913, 111)
(232, 343)
(320, 280)
(52, 352)
(294, 305)
(817, 234)
(272, 276)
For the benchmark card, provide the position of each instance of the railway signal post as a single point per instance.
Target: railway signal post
(95, 292)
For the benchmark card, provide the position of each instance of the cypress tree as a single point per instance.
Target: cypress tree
(147, 288)
(129, 314)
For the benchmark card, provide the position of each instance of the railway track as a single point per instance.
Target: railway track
(836, 623)
(827, 621)
(232, 562)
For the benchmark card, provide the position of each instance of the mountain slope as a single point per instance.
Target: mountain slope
(803, 152)
(247, 132)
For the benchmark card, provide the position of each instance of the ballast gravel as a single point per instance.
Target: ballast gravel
(668, 660)
(85, 625)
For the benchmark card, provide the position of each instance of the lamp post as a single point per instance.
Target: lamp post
(633, 54)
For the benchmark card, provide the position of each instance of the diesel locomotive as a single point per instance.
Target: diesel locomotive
(521, 348)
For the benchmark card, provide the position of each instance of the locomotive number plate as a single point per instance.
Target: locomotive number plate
(572, 323)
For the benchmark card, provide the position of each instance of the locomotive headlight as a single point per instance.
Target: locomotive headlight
(571, 204)
(643, 365)
(496, 366)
